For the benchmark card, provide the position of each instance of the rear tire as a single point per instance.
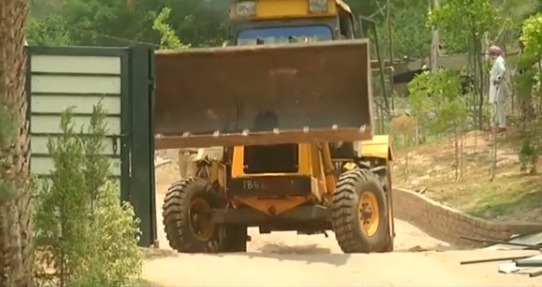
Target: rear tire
(186, 208)
(359, 213)
(391, 241)
(233, 238)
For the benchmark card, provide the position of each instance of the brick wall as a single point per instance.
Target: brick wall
(448, 224)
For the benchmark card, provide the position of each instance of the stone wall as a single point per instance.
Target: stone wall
(448, 224)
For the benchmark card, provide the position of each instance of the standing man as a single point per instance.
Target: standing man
(498, 89)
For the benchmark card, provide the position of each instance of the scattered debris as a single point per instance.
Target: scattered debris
(492, 260)
(532, 239)
(417, 248)
(508, 268)
(535, 274)
(525, 246)
(517, 264)
(532, 261)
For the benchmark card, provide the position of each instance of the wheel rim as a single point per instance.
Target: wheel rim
(369, 216)
(200, 221)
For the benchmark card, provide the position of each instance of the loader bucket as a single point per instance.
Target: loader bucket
(263, 95)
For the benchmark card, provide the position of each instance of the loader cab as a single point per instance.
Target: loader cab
(283, 35)
(258, 22)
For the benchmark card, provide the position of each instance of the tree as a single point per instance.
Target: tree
(468, 21)
(84, 236)
(530, 63)
(410, 37)
(49, 31)
(437, 102)
(198, 22)
(121, 22)
(403, 128)
(15, 194)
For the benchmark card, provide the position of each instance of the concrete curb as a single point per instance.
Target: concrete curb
(447, 224)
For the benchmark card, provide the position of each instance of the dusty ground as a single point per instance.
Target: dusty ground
(286, 259)
(511, 196)
(313, 269)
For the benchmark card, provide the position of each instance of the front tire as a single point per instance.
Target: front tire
(187, 211)
(359, 213)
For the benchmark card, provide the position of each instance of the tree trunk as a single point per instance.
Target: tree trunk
(435, 40)
(15, 211)
(479, 70)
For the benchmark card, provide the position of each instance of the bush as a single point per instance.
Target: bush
(83, 235)
(438, 103)
(528, 86)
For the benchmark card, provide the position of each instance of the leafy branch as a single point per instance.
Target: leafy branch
(168, 40)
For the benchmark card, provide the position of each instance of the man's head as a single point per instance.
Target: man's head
(494, 52)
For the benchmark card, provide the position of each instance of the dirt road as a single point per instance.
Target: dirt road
(286, 259)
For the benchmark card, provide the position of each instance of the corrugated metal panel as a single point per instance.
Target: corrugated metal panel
(50, 124)
(39, 146)
(76, 84)
(60, 82)
(59, 103)
(76, 64)
(43, 165)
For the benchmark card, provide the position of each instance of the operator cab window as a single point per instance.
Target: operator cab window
(284, 35)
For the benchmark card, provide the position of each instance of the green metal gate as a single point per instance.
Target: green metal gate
(60, 77)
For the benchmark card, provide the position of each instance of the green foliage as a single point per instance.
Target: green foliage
(96, 165)
(523, 82)
(528, 9)
(436, 101)
(116, 260)
(50, 31)
(410, 36)
(529, 155)
(465, 16)
(83, 235)
(464, 20)
(169, 39)
(530, 98)
(122, 22)
(198, 22)
(108, 22)
(531, 35)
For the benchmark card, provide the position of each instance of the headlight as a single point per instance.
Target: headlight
(318, 6)
(246, 9)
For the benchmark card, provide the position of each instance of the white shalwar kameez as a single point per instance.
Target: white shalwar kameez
(498, 91)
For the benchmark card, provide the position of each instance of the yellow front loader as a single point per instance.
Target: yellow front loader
(284, 126)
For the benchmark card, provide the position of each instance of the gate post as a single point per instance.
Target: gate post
(142, 151)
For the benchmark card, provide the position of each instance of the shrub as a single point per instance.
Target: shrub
(84, 236)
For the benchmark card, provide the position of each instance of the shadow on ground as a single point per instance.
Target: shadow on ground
(307, 249)
(437, 248)
(309, 253)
